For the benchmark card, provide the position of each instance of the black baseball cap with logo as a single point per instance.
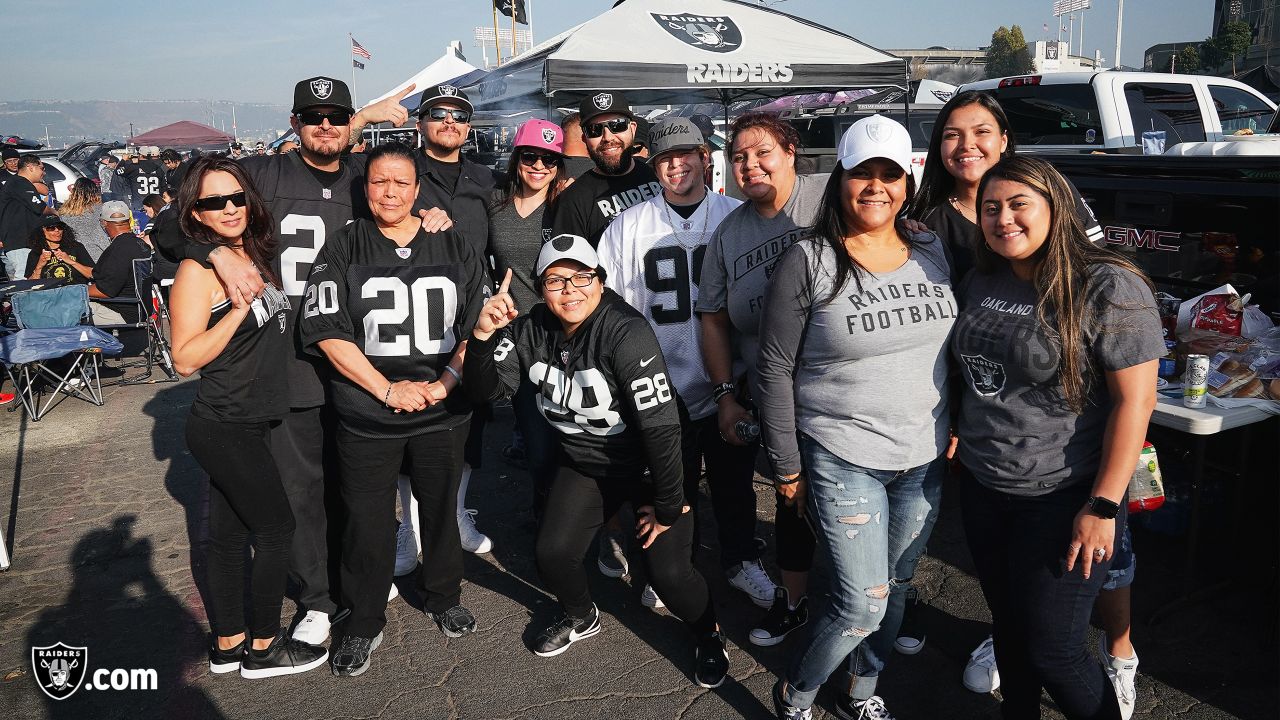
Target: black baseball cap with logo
(605, 101)
(321, 91)
(444, 93)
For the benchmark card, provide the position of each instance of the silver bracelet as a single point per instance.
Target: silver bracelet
(387, 397)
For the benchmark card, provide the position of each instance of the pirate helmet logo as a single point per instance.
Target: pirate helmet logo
(603, 100)
(448, 90)
(322, 88)
(59, 669)
(878, 132)
(985, 376)
(548, 135)
(717, 33)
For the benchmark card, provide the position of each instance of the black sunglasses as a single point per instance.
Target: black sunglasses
(617, 126)
(335, 118)
(218, 202)
(531, 158)
(439, 113)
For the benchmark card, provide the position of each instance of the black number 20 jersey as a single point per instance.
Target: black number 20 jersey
(406, 308)
(606, 390)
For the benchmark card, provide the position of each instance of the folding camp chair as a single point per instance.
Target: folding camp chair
(148, 303)
(50, 327)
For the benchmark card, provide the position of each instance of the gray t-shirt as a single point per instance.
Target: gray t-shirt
(88, 230)
(864, 375)
(514, 242)
(1017, 433)
(740, 260)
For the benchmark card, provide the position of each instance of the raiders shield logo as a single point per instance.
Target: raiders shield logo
(986, 377)
(321, 88)
(448, 90)
(546, 234)
(715, 33)
(877, 132)
(603, 100)
(404, 253)
(59, 669)
(548, 135)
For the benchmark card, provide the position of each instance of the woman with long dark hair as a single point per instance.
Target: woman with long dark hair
(80, 213)
(56, 254)
(240, 351)
(853, 405)
(1058, 345)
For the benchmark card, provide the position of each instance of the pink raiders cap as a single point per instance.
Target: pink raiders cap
(541, 134)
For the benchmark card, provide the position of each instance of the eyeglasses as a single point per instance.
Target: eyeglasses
(555, 283)
(218, 202)
(335, 118)
(531, 158)
(617, 126)
(459, 116)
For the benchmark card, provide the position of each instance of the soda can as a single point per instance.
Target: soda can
(1195, 381)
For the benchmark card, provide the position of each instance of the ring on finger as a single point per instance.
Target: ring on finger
(1100, 552)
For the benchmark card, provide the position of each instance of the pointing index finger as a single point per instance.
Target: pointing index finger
(406, 92)
(506, 283)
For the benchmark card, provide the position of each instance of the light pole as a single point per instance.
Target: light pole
(1119, 29)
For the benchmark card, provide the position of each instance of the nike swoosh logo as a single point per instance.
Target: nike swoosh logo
(646, 362)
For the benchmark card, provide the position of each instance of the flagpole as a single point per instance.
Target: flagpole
(497, 46)
(513, 29)
(528, 15)
(351, 44)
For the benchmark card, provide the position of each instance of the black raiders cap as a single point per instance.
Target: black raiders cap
(321, 90)
(444, 93)
(607, 101)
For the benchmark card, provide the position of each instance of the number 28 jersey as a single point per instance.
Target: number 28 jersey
(605, 390)
(405, 308)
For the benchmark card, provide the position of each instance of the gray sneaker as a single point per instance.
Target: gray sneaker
(352, 656)
(455, 622)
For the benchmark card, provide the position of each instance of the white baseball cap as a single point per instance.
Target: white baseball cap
(875, 137)
(566, 247)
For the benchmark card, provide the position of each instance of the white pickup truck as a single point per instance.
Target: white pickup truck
(1109, 110)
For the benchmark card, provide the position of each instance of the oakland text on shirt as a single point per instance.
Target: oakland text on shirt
(766, 254)
(936, 304)
(1005, 306)
(613, 206)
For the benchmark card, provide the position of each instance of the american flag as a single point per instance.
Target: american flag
(358, 49)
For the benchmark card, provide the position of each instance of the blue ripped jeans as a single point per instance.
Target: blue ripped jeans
(873, 525)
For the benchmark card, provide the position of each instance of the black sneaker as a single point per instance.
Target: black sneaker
(780, 620)
(455, 622)
(710, 661)
(225, 661)
(611, 557)
(285, 656)
(566, 631)
(351, 658)
(783, 711)
(870, 709)
(912, 634)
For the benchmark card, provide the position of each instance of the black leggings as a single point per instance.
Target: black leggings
(730, 470)
(247, 506)
(576, 508)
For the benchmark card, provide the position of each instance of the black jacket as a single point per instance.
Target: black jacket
(467, 203)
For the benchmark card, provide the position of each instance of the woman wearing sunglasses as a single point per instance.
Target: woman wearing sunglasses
(241, 352)
(605, 388)
(521, 210)
(55, 254)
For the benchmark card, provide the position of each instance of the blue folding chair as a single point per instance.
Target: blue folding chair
(49, 328)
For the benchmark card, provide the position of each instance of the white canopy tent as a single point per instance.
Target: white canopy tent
(682, 51)
(450, 65)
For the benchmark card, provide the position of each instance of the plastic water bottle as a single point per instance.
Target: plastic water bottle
(747, 431)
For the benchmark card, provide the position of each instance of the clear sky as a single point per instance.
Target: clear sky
(254, 51)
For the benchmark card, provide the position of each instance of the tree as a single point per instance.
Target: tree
(1007, 54)
(1234, 39)
(1188, 59)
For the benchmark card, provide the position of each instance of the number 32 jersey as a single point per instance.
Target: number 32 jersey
(405, 308)
(605, 390)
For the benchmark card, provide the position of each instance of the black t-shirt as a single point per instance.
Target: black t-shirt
(405, 308)
(166, 233)
(145, 177)
(59, 270)
(576, 166)
(594, 200)
(464, 190)
(248, 381)
(606, 390)
(113, 274)
(20, 211)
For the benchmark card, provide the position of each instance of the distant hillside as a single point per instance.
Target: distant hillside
(70, 121)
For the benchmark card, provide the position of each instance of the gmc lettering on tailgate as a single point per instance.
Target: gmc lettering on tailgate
(1152, 239)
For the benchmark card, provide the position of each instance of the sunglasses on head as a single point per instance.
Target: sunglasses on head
(335, 118)
(218, 202)
(530, 158)
(616, 126)
(439, 113)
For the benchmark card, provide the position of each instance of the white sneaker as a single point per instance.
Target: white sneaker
(1121, 673)
(393, 593)
(980, 673)
(406, 549)
(749, 577)
(473, 541)
(872, 708)
(649, 598)
(314, 628)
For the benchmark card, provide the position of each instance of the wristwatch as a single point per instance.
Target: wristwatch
(1103, 507)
